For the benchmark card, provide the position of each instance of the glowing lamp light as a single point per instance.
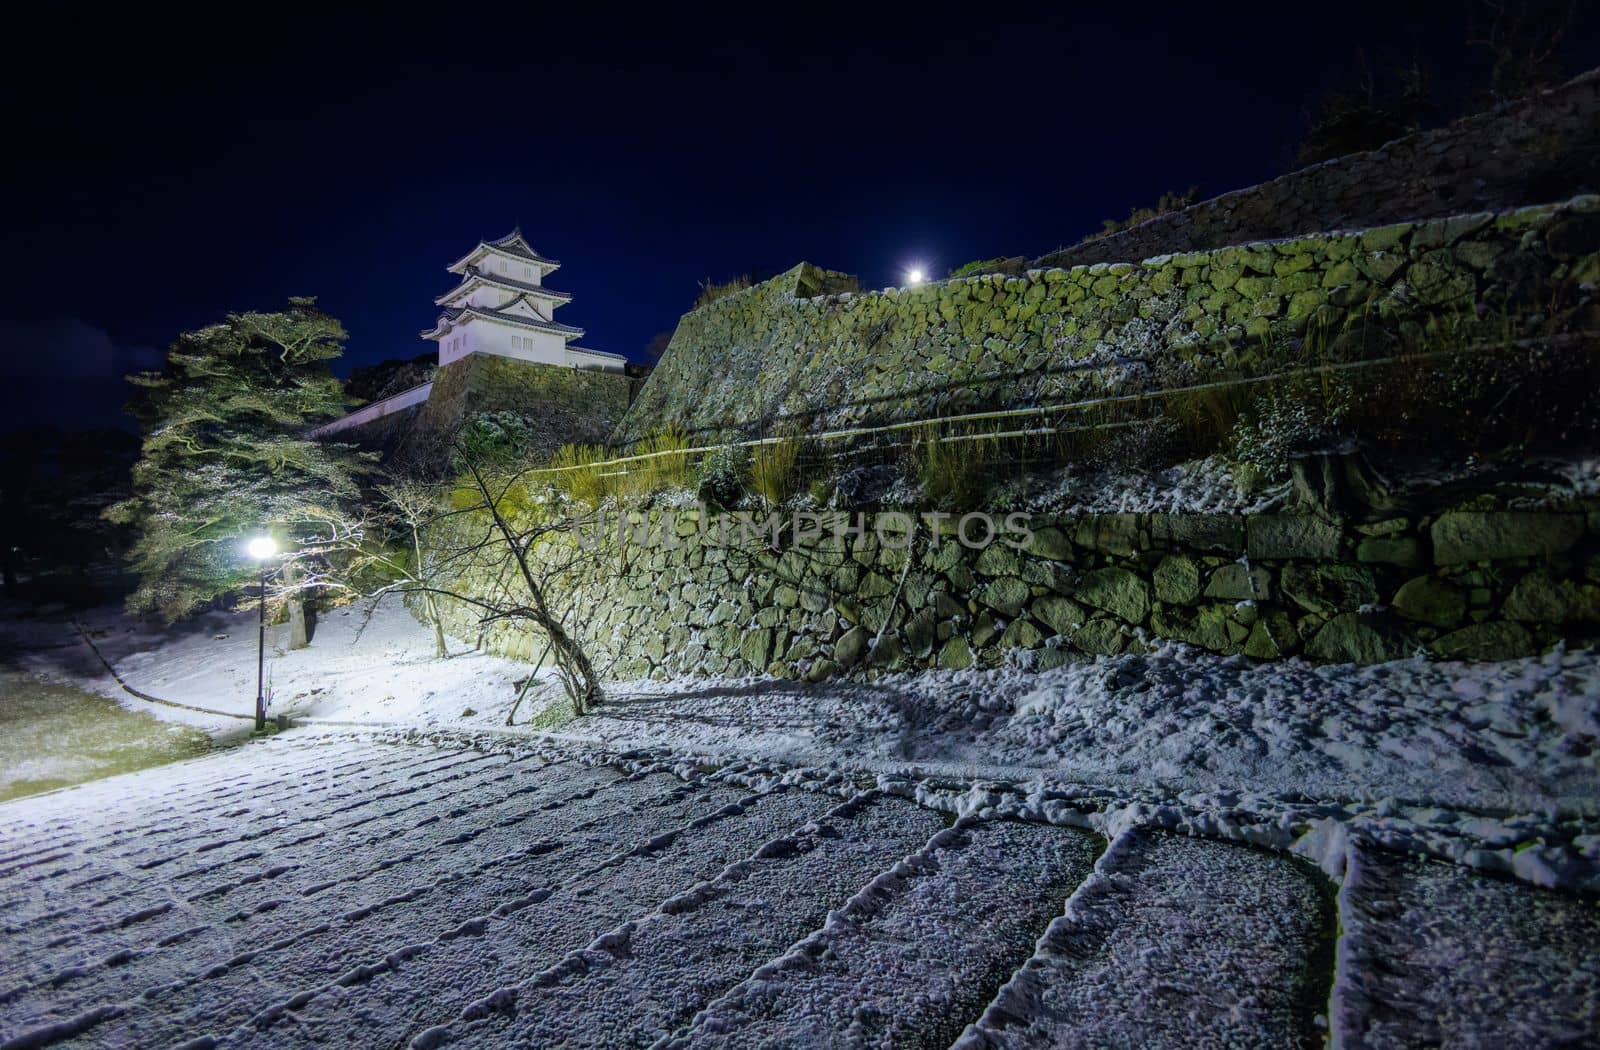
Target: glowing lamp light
(262, 547)
(914, 277)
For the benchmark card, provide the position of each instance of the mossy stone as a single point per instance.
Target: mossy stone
(1238, 583)
(956, 655)
(1431, 600)
(1177, 579)
(1061, 615)
(1347, 638)
(1102, 637)
(1117, 591)
(1494, 640)
(1329, 589)
(1006, 594)
(1541, 598)
(850, 647)
(1468, 536)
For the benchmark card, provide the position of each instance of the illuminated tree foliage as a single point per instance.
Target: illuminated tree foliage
(225, 454)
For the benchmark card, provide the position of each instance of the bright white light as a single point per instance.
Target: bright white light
(913, 276)
(262, 547)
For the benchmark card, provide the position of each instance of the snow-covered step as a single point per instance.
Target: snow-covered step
(199, 886)
(1432, 954)
(646, 978)
(215, 832)
(435, 984)
(171, 793)
(140, 836)
(917, 953)
(223, 973)
(1174, 942)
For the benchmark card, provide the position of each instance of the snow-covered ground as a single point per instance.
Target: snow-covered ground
(329, 886)
(1491, 765)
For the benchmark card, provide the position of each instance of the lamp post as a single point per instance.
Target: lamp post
(262, 548)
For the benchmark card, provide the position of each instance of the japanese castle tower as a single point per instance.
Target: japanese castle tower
(502, 307)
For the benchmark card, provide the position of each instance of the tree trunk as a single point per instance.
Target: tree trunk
(297, 624)
(298, 638)
(1339, 483)
(440, 649)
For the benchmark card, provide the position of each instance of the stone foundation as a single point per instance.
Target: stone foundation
(1474, 583)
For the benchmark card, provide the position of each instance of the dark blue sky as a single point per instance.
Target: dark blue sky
(163, 171)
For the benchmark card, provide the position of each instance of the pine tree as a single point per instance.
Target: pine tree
(225, 454)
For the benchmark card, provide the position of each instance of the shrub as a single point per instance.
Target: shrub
(1362, 119)
(711, 291)
(1284, 422)
(953, 473)
(773, 470)
(1012, 266)
(579, 476)
(1169, 202)
(667, 467)
(498, 438)
(722, 476)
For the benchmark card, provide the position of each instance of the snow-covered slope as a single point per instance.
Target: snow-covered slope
(324, 887)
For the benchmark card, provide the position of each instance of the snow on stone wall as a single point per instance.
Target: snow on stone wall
(1530, 151)
(1469, 584)
(779, 352)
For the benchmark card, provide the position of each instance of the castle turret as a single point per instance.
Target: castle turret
(502, 307)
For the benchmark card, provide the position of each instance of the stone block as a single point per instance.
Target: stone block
(1177, 580)
(1347, 638)
(956, 655)
(1006, 595)
(850, 647)
(1059, 614)
(1430, 600)
(1101, 637)
(1286, 536)
(1117, 591)
(1236, 583)
(1329, 589)
(1404, 551)
(1494, 640)
(1541, 598)
(1468, 536)
(1210, 532)
(1109, 533)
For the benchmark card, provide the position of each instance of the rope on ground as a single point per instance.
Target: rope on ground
(131, 691)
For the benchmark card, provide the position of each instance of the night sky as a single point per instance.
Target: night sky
(163, 171)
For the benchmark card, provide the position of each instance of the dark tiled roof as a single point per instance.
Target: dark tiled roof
(502, 280)
(452, 313)
(513, 243)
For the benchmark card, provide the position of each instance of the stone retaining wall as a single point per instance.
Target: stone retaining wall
(1477, 582)
(742, 365)
(1538, 149)
(568, 404)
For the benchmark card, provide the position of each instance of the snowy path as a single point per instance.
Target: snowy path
(333, 889)
(1432, 954)
(1173, 941)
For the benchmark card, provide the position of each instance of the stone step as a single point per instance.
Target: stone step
(645, 979)
(1174, 942)
(437, 983)
(917, 953)
(310, 936)
(1435, 954)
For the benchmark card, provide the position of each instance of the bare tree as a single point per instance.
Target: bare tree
(428, 540)
(1525, 38)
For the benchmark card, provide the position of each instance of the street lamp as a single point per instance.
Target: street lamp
(262, 548)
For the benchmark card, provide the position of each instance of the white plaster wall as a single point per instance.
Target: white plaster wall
(524, 344)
